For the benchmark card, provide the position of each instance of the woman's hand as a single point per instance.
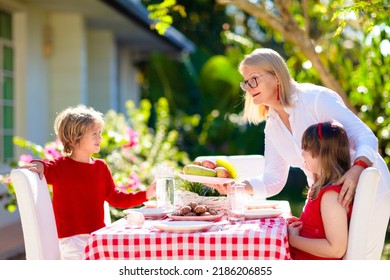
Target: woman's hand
(221, 188)
(349, 181)
(35, 166)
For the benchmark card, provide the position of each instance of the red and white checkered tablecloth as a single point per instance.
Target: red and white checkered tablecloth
(255, 239)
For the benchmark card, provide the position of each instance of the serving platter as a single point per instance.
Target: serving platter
(206, 179)
(182, 226)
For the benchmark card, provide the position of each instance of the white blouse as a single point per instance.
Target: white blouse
(311, 104)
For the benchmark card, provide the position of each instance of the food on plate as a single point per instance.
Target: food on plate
(200, 209)
(208, 163)
(193, 205)
(229, 167)
(193, 169)
(222, 172)
(185, 210)
(221, 168)
(195, 209)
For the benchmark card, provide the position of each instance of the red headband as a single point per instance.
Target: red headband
(320, 131)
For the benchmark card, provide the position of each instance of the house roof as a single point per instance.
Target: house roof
(137, 12)
(127, 19)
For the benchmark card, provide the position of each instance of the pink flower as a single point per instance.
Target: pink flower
(24, 159)
(52, 150)
(133, 138)
(133, 185)
(123, 189)
(134, 182)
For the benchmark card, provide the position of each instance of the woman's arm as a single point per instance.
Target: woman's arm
(335, 221)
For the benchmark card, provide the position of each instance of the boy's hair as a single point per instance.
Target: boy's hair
(72, 123)
(329, 142)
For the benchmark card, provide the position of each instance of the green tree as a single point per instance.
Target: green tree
(340, 46)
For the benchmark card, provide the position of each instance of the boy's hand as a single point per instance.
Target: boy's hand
(35, 166)
(151, 191)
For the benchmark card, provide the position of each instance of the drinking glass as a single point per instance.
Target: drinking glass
(236, 203)
(165, 187)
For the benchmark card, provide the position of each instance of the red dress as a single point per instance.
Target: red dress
(312, 224)
(79, 192)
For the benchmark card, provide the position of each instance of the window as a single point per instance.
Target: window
(6, 88)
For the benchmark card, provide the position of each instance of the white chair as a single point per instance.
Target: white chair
(361, 214)
(247, 166)
(37, 215)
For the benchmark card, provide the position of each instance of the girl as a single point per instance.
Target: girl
(81, 183)
(322, 230)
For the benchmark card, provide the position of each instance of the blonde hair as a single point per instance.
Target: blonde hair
(72, 123)
(270, 61)
(329, 142)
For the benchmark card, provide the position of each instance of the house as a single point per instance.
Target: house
(59, 53)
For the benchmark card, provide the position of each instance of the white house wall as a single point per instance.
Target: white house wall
(102, 70)
(93, 51)
(31, 76)
(46, 84)
(68, 62)
(128, 83)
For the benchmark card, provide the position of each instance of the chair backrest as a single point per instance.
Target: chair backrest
(37, 215)
(247, 166)
(361, 214)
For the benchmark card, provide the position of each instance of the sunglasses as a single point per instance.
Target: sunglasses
(252, 82)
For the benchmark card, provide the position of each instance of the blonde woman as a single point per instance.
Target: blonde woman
(288, 108)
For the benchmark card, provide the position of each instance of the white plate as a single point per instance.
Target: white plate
(262, 213)
(182, 226)
(195, 218)
(205, 179)
(150, 213)
(260, 204)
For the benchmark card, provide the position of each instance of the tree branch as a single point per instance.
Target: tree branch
(290, 30)
(305, 9)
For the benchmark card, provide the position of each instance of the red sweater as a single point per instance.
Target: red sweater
(313, 226)
(79, 192)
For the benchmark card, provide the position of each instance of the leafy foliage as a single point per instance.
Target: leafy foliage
(160, 14)
(197, 188)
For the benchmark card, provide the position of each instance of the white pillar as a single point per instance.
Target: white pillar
(102, 70)
(68, 76)
(128, 84)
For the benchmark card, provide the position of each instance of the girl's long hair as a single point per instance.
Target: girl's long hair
(329, 142)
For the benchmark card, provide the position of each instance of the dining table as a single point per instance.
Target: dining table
(263, 238)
